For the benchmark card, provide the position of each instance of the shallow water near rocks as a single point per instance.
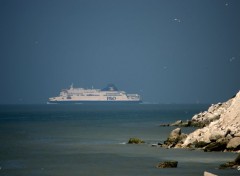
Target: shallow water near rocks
(55, 140)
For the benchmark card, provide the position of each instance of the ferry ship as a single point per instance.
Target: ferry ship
(108, 95)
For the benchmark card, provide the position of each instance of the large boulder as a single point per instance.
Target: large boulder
(175, 133)
(234, 144)
(215, 135)
(199, 135)
(173, 136)
(176, 138)
(219, 145)
(200, 144)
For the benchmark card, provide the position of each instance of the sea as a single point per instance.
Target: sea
(91, 140)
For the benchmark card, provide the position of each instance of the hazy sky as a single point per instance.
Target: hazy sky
(169, 51)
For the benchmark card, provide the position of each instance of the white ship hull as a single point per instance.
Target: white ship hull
(108, 95)
(94, 102)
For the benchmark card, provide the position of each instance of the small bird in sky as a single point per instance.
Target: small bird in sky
(177, 20)
(232, 59)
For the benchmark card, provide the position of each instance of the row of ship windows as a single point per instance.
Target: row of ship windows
(82, 95)
(92, 95)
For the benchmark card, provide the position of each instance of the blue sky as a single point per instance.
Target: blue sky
(169, 51)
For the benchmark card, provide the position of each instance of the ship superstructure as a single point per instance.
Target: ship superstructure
(109, 94)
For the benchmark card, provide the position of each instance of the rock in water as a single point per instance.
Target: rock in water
(209, 174)
(232, 164)
(177, 123)
(175, 133)
(234, 144)
(237, 160)
(167, 164)
(175, 139)
(135, 141)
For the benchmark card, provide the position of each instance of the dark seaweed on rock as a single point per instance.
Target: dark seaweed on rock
(167, 164)
(135, 141)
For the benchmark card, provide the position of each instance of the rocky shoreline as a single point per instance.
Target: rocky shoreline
(218, 129)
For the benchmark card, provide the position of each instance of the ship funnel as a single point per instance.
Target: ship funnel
(110, 87)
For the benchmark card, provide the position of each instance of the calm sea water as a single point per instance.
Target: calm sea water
(74, 140)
